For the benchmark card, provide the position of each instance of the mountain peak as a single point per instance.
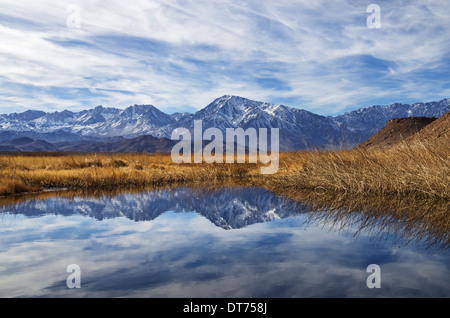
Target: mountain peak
(141, 108)
(137, 110)
(228, 97)
(229, 110)
(298, 128)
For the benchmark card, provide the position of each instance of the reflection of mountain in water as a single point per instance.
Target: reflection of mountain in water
(403, 219)
(228, 208)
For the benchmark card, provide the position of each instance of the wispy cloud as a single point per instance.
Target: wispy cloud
(180, 55)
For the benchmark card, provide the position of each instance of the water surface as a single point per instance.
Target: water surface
(184, 242)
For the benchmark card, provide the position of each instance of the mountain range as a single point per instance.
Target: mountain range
(144, 128)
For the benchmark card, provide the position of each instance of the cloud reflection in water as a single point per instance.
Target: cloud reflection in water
(230, 242)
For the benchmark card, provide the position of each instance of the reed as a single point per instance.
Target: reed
(25, 173)
(402, 219)
(404, 170)
(419, 170)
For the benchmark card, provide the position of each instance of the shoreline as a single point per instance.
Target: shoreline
(422, 220)
(403, 171)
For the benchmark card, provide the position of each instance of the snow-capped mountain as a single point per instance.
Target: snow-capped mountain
(368, 121)
(298, 128)
(98, 122)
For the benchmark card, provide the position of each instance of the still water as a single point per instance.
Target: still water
(184, 242)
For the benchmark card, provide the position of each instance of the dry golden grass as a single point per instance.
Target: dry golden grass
(403, 170)
(30, 173)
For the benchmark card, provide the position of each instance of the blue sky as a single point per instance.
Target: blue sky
(180, 55)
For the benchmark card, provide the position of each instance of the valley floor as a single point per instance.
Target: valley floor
(419, 171)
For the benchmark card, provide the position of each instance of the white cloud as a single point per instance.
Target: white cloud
(179, 54)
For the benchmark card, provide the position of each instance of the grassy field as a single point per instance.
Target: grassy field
(421, 171)
(31, 173)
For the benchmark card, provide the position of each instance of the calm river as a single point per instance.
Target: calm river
(231, 242)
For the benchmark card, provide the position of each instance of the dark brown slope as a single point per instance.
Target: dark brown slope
(147, 144)
(438, 131)
(27, 144)
(397, 130)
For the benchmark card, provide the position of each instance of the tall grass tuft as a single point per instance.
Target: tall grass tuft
(413, 170)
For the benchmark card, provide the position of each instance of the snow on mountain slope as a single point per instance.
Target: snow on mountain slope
(98, 122)
(369, 120)
(298, 128)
